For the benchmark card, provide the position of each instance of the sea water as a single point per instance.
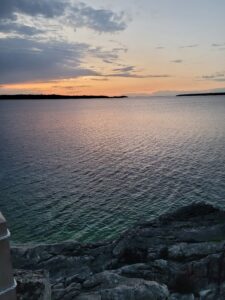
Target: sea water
(90, 169)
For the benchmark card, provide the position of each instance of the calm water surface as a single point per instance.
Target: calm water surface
(89, 169)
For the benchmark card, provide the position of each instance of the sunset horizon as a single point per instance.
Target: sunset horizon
(112, 149)
(96, 47)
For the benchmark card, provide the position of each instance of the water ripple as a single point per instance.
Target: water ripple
(88, 170)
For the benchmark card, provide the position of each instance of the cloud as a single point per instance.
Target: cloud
(24, 60)
(49, 9)
(107, 61)
(33, 46)
(132, 72)
(6, 27)
(107, 56)
(218, 76)
(189, 46)
(160, 48)
(135, 75)
(70, 87)
(125, 69)
(77, 15)
(100, 20)
(123, 49)
(177, 61)
(100, 79)
(218, 45)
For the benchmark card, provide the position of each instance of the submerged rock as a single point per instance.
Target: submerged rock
(180, 255)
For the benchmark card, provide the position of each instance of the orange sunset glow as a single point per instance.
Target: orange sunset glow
(123, 48)
(112, 149)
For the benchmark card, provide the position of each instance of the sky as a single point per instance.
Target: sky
(97, 47)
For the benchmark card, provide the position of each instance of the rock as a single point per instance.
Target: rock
(32, 285)
(160, 270)
(182, 297)
(193, 251)
(214, 292)
(109, 286)
(141, 290)
(180, 255)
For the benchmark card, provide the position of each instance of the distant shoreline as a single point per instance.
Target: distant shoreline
(201, 94)
(54, 96)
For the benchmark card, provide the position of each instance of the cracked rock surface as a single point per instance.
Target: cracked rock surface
(180, 255)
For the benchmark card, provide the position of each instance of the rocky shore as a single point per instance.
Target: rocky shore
(177, 256)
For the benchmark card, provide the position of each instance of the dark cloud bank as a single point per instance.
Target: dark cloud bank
(78, 14)
(24, 60)
(27, 56)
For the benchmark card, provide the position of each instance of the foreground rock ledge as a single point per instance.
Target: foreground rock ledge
(177, 256)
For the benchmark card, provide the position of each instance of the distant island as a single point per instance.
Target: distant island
(202, 94)
(54, 96)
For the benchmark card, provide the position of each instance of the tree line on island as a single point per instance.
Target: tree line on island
(55, 96)
(202, 94)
